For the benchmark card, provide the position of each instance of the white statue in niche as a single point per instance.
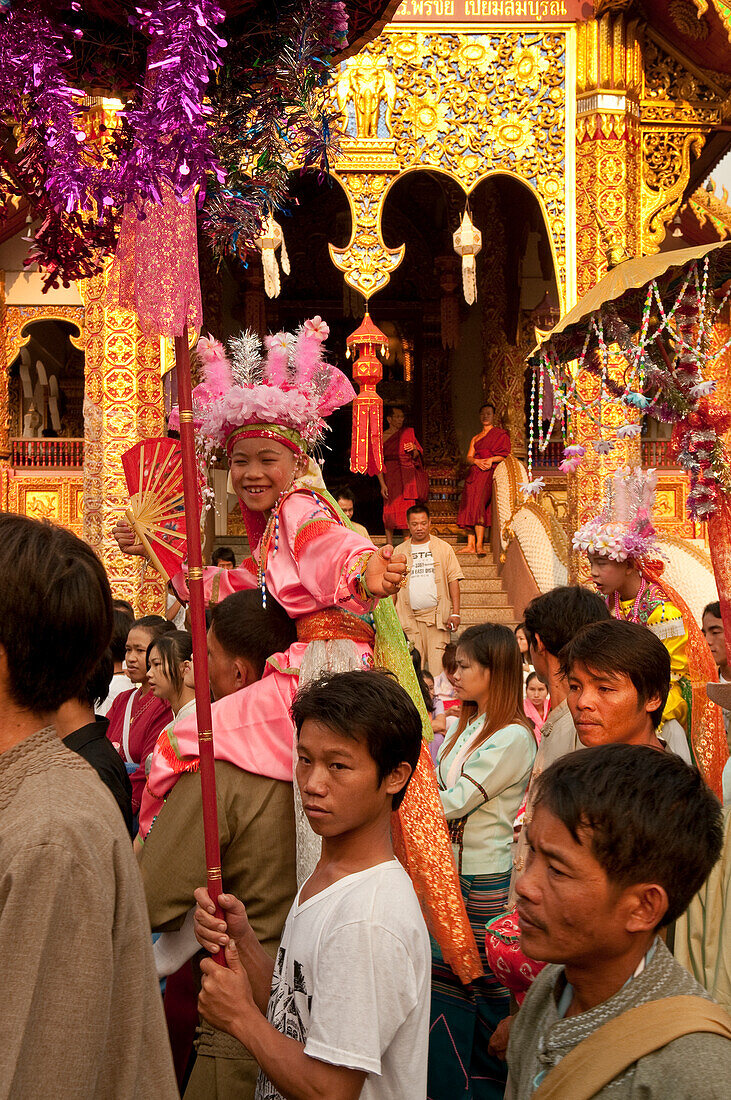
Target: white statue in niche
(32, 422)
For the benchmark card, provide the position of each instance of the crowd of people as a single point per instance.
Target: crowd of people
(494, 868)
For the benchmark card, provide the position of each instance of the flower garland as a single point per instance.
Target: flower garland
(664, 380)
(165, 138)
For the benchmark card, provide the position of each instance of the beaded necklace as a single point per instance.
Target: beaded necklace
(647, 599)
(271, 531)
(634, 615)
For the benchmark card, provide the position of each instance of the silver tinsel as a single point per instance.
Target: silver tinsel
(247, 364)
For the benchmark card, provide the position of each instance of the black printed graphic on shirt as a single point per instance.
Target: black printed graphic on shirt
(289, 1012)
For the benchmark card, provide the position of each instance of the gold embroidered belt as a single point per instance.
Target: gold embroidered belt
(333, 624)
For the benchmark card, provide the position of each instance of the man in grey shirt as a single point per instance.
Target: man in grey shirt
(622, 837)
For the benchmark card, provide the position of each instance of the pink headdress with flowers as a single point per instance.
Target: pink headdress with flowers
(286, 389)
(624, 528)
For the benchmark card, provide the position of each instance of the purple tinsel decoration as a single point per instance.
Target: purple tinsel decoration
(164, 139)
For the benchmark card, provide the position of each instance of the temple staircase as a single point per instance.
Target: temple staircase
(483, 598)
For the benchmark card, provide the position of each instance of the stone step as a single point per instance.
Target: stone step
(481, 584)
(471, 561)
(480, 572)
(484, 599)
(474, 616)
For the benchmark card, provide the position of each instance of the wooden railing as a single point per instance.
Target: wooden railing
(47, 454)
(656, 453)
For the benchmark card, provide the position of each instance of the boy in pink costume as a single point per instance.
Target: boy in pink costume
(267, 412)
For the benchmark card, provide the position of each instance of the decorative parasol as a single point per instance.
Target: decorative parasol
(654, 317)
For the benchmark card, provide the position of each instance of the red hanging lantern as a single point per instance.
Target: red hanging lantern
(366, 450)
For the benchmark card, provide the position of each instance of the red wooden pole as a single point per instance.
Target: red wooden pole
(198, 623)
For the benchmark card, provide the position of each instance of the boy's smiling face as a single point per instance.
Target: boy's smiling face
(338, 781)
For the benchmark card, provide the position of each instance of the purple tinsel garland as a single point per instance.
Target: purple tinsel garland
(164, 139)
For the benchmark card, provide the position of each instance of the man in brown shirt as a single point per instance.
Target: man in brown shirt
(256, 833)
(81, 1015)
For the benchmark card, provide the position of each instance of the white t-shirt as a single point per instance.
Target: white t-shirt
(422, 583)
(352, 982)
(120, 682)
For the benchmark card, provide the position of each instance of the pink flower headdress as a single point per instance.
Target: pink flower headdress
(624, 528)
(285, 389)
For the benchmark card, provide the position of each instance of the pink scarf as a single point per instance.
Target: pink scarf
(251, 728)
(535, 716)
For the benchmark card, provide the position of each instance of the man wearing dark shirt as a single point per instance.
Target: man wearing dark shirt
(85, 733)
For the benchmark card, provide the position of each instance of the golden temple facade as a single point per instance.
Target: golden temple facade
(573, 138)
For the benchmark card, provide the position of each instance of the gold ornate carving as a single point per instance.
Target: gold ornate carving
(466, 104)
(666, 160)
(367, 82)
(17, 319)
(688, 19)
(58, 497)
(123, 403)
(366, 262)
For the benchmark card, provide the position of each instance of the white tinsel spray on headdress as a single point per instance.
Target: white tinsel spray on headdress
(624, 528)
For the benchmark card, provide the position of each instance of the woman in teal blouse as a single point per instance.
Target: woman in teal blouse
(483, 770)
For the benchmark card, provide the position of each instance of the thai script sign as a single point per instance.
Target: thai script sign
(493, 11)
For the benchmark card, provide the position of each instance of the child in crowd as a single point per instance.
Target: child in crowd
(435, 710)
(537, 703)
(346, 1005)
(137, 717)
(444, 688)
(170, 671)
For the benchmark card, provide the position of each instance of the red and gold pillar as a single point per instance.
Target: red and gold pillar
(608, 167)
(123, 403)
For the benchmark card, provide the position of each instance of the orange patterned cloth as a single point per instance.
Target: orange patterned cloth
(420, 836)
(333, 624)
(707, 732)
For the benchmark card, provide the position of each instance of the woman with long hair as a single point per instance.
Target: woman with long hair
(170, 671)
(483, 769)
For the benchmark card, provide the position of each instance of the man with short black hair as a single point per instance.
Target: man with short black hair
(344, 1011)
(621, 838)
(428, 605)
(715, 636)
(550, 622)
(618, 677)
(82, 1014)
(223, 557)
(253, 743)
(346, 504)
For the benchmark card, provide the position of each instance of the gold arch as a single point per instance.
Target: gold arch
(467, 191)
(18, 318)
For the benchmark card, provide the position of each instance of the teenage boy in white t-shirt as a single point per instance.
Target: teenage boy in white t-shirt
(344, 1011)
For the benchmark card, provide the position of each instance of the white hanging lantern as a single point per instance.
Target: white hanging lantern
(270, 240)
(467, 243)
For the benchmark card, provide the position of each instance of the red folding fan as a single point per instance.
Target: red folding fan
(154, 474)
